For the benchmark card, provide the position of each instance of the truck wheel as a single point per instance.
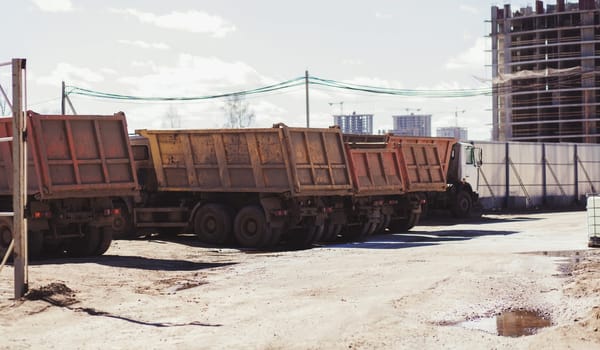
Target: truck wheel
(35, 243)
(360, 232)
(383, 224)
(276, 234)
(462, 205)
(86, 245)
(404, 224)
(106, 236)
(212, 224)
(5, 236)
(250, 227)
(308, 234)
(331, 232)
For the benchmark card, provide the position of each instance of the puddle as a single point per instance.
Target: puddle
(512, 323)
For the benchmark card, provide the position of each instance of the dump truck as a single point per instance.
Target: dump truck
(257, 186)
(261, 186)
(79, 169)
(457, 170)
(389, 175)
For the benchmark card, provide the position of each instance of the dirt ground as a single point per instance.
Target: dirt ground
(427, 289)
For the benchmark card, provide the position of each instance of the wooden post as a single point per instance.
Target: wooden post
(307, 106)
(62, 99)
(19, 180)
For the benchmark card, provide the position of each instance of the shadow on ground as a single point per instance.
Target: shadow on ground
(417, 238)
(136, 262)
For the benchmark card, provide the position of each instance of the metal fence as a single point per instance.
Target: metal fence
(519, 175)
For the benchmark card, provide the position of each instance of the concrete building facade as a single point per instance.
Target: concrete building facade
(412, 125)
(545, 66)
(354, 123)
(453, 131)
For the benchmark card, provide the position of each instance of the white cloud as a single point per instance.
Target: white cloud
(473, 57)
(54, 5)
(378, 82)
(468, 9)
(190, 21)
(193, 76)
(351, 62)
(144, 45)
(381, 15)
(71, 75)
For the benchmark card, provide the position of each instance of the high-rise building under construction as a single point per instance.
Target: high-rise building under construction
(545, 66)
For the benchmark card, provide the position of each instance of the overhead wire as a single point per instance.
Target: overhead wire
(442, 93)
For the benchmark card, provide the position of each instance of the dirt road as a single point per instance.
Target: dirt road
(439, 286)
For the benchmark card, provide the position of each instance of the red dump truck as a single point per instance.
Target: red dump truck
(256, 185)
(260, 186)
(78, 168)
(388, 174)
(457, 167)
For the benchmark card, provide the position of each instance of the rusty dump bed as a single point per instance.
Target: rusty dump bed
(384, 163)
(73, 156)
(300, 161)
(6, 163)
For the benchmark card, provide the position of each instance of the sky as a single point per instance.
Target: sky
(182, 48)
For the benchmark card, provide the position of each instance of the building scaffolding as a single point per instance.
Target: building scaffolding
(546, 85)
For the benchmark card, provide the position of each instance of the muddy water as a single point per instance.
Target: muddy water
(512, 323)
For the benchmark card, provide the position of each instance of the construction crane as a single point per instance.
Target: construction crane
(456, 116)
(341, 103)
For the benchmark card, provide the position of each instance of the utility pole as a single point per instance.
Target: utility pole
(307, 106)
(19, 178)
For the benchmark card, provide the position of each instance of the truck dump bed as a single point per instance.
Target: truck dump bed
(301, 161)
(73, 156)
(6, 163)
(398, 163)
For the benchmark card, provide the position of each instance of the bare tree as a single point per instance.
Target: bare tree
(3, 107)
(238, 112)
(172, 118)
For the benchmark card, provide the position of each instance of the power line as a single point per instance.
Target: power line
(446, 93)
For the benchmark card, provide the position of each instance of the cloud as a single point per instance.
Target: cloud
(190, 21)
(71, 75)
(472, 57)
(54, 5)
(372, 81)
(468, 9)
(382, 16)
(144, 45)
(193, 76)
(351, 62)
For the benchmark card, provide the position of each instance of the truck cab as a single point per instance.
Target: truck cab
(463, 179)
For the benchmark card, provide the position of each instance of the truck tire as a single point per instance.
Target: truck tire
(331, 232)
(360, 232)
(250, 227)
(106, 237)
(383, 224)
(461, 208)
(86, 245)
(276, 234)
(35, 243)
(5, 236)
(308, 234)
(404, 224)
(212, 224)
